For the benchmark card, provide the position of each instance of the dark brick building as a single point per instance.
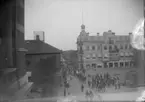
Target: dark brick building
(43, 60)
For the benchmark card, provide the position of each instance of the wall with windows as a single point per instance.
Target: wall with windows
(111, 53)
(98, 55)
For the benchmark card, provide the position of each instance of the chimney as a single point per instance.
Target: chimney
(98, 34)
(37, 37)
(113, 33)
(130, 33)
(109, 31)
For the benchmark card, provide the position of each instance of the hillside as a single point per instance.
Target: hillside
(71, 57)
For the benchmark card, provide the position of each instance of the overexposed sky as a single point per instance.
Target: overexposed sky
(61, 19)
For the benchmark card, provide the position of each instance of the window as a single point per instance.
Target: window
(116, 64)
(84, 47)
(130, 47)
(93, 56)
(121, 54)
(29, 79)
(126, 64)
(87, 66)
(93, 47)
(121, 46)
(99, 55)
(93, 65)
(110, 47)
(106, 55)
(121, 64)
(99, 66)
(88, 57)
(116, 48)
(131, 63)
(110, 65)
(126, 46)
(87, 48)
(105, 47)
(105, 65)
(111, 41)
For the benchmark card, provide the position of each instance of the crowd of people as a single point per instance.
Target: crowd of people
(101, 82)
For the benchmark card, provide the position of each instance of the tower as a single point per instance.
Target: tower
(82, 26)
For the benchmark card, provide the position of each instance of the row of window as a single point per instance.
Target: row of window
(108, 47)
(112, 47)
(111, 65)
(94, 56)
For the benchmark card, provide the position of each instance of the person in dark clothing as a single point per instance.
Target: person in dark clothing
(89, 83)
(64, 92)
(82, 87)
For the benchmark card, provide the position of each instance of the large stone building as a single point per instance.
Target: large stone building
(108, 53)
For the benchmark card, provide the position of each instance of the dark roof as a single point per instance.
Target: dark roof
(39, 47)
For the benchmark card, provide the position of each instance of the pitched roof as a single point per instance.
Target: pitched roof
(39, 47)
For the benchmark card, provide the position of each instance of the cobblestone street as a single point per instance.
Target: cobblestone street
(75, 90)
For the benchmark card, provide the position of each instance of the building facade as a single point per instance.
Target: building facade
(44, 61)
(108, 53)
(12, 51)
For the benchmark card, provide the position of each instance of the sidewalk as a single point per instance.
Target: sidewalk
(21, 94)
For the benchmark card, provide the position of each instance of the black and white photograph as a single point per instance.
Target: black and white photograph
(72, 50)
